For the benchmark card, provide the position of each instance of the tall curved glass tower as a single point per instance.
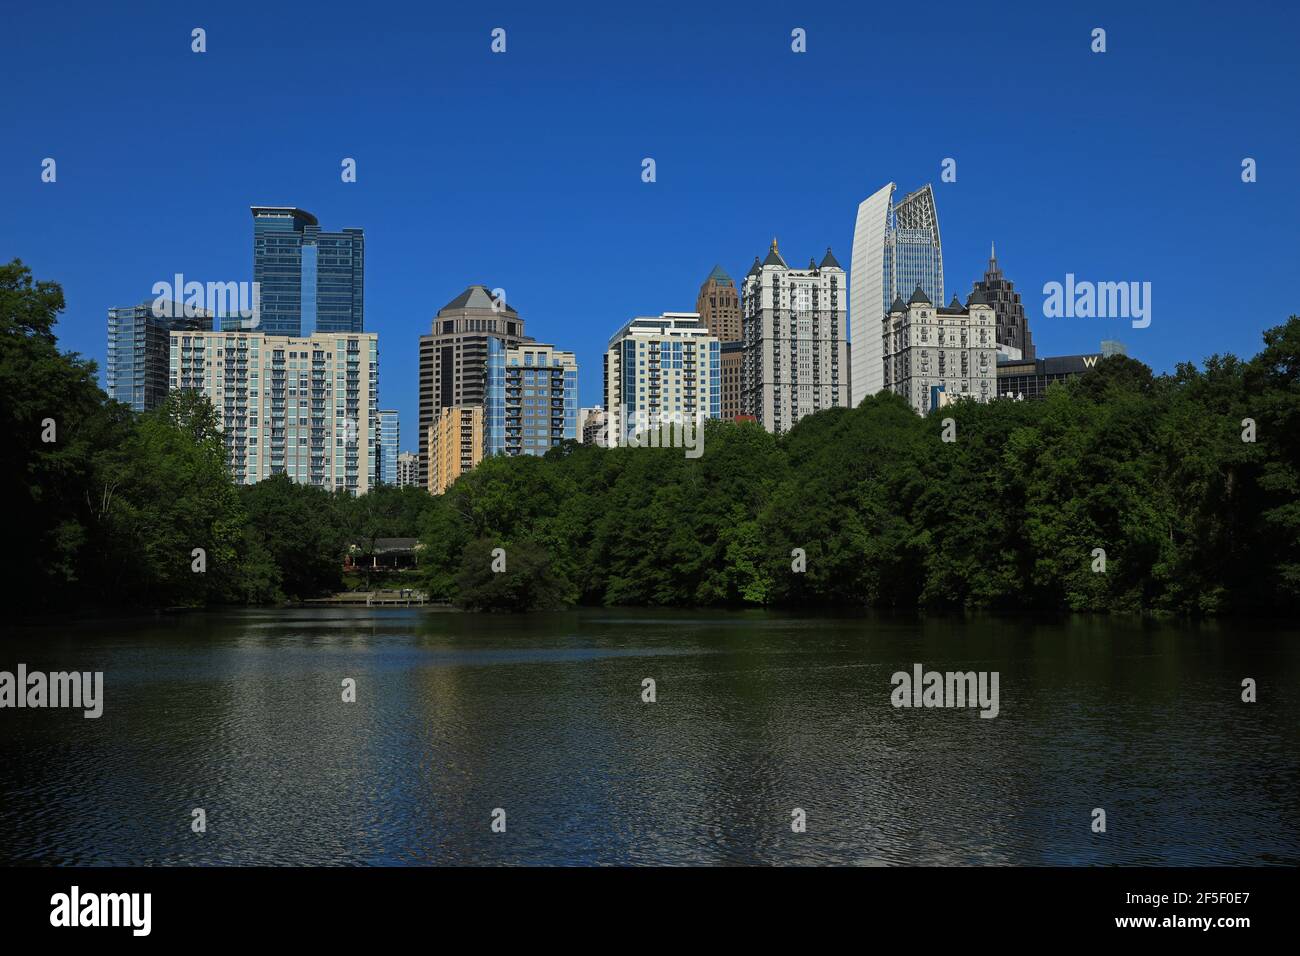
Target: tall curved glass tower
(896, 247)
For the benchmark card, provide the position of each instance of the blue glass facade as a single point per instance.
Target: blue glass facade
(913, 250)
(310, 281)
(137, 371)
(913, 258)
(389, 438)
(532, 399)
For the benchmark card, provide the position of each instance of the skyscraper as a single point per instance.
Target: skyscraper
(660, 370)
(455, 445)
(310, 280)
(532, 398)
(999, 292)
(795, 359)
(718, 304)
(389, 436)
(935, 355)
(139, 342)
(304, 406)
(453, 357)
(591, 420)
(733, 376)
(896, 247)
(408, 469)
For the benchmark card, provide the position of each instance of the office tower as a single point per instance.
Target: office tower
(310, 281)
(1111, 347)
(732, 365)
(305, 406)
(718, 305)
(453, 357)
(532, 398)
(408, 469)
(455, 444)
(719, 308)
(795, 361)
(1030, 378)
(389, 436)
(935, 355)
(593, 429)
(661, 369)
(590, 420)
(139, 341)
(999, 292)
(896, 247)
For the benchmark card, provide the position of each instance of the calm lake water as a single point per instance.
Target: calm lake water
(240, 713)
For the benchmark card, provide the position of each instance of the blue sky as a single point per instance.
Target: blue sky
(523, 170)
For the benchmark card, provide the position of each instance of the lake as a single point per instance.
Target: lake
(456, 716)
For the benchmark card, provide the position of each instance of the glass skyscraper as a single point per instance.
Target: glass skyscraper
(137, 370)
(896, 247)
(310, 280)
(532, 398)
(389, 435)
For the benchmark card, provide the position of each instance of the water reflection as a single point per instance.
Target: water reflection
(240, 713)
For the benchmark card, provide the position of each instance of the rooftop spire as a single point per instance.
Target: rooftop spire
(774, 256)
(993, 271)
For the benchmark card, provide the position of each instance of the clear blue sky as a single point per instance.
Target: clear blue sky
(523, 170)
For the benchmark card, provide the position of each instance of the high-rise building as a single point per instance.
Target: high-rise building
(935, 355)
(455, 442)
(896, 247)
(795, 359)
(718, 305)
(310, 281)
(591, 420)
(532, 398)
(408, 469)
(453, 357)
(137, 370)
(389, 437)
(305, 406)
(733, 373)
(661, 369)
(999, 292)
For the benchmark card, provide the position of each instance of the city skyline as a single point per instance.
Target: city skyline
(1071, 155)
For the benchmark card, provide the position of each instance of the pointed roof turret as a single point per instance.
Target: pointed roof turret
(919, 296)
(898, 306)
(829, 261)
(755, 269)
(955, 303)
(774, 256)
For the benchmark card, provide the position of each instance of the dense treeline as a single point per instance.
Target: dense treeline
(106, 507)
(1007, 516)
(1153, 470)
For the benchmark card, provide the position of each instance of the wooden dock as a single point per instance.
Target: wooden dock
(406, 598)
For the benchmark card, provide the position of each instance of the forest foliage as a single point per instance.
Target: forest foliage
(873, 506)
